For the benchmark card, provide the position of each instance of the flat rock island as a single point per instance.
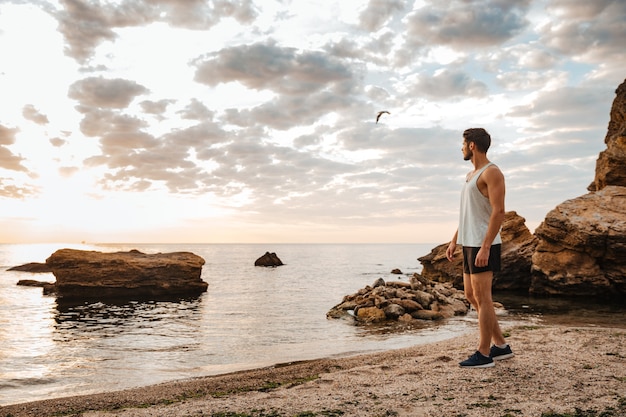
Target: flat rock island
(92, 274)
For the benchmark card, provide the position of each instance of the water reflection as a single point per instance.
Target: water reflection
(117, 317)
(566, 311)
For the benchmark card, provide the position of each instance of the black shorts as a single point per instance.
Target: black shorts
(469, 260)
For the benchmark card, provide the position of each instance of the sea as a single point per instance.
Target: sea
(250, 317)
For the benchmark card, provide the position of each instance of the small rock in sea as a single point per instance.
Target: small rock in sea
(396, 271)
(269, 259)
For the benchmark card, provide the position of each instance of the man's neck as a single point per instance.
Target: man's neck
(479, 160)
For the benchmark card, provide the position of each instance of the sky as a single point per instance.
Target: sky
(254, 121)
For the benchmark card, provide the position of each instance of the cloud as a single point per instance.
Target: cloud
(527, 56)
(156, 107)
(10, 187)
(31, 113)
(530, 80)
(106, 93)
(591, 30)
(265, 65)
(9, 190)
(8, 160)
(85, 25)
(446, 84)
(308, 84)
(462, 24)
(568, 108)
(378, 12)
(98, 122)
(196, 110)
(57, 142)
(201, 14)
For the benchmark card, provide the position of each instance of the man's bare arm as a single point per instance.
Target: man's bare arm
(493, 182)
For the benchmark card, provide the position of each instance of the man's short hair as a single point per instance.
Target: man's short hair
(479, 136)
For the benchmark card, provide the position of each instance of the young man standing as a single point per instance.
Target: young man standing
(481, 216)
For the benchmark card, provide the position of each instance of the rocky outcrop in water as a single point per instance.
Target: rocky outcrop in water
(269, 260)
(518, 245)
(92, 274)
(420, 299)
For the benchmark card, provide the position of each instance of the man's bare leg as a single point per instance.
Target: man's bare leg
(487, 321)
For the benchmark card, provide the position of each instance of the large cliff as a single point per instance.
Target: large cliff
(582, 242)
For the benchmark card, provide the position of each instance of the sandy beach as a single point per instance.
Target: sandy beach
(557, 371)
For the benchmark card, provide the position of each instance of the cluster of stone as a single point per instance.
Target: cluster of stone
(419, 299)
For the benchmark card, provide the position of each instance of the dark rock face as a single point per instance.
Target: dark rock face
(92, 274)
(518, 245)
(269, 259)
(582, 247)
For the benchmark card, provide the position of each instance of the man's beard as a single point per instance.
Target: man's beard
(467, 156)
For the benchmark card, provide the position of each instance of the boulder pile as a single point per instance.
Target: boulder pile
(419, 299)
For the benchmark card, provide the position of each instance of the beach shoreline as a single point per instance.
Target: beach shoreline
(557, 369)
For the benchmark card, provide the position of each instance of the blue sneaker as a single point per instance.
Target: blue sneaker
(478, 360)
(497, 353)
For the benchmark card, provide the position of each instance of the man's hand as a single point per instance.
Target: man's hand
(482, 257)
(450, 250)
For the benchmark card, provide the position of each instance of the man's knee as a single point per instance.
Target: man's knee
(469, 295)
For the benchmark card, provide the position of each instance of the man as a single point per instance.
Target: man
(481, 216)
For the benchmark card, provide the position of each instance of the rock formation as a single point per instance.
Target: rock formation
(269, 259)
(611, 163)
(420, 299)
(582, 242)
(582, 247)
(518, 244)
(93, 274)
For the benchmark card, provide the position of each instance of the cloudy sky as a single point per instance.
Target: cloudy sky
(254, 120)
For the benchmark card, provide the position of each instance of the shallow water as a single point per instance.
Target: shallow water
(250, 317)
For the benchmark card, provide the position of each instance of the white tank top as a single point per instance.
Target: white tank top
(475, 214)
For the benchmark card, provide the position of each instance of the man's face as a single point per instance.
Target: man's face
(467, 152)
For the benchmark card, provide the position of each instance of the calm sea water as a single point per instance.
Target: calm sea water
(250, 317)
